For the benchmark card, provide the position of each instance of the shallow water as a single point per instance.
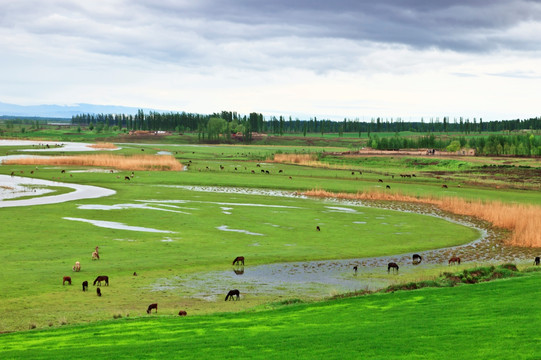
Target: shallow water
(80, 191)
(117, 225)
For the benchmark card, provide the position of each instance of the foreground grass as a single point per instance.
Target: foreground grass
(496, 319)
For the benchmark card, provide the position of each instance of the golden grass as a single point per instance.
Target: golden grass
(135, 162)
(303, 159)
(524, 221)
(102, 145)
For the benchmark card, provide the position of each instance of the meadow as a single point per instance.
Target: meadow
(204, 228)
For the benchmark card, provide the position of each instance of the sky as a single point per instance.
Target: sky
(354, 59)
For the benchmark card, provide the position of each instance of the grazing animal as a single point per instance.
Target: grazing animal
(263, 171)
(416, 259)
(258, 165)
(454, 260)
(239, 260)
(444, 186)
(182, 313)
(290, 178)
(267, 172)
(387, 187)
(63, 171)
(101, 278)
(379, 180)
(127, 178)
(280, 171)
(77, 266)
(232, 293)
(253, 172)
(66, 278)
(393, 266)
(318, 228)
(152, 306)
(134, 273)
(355, 269)
(95, 254)
(537, 260)
(98, 291)
(85, 285)
(353, 173)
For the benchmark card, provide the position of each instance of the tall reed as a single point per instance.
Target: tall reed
(524, 221)
(135, 162)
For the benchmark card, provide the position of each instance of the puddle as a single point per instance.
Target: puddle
(117, 225)
(127, 206)
(226, 228)
(51, 145)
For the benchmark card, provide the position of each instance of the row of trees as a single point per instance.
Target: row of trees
(256, 122)
(521, 145)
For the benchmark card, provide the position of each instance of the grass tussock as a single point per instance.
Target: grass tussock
(135, 162)
(523, 221)
(102, 145)
(299, 159)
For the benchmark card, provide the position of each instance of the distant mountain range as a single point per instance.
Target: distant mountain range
(65, 111)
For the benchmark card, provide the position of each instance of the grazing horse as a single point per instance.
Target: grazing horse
(85, 285)
(101, 278)
(393, 266)
(387, 187)
(537, 261)
(379, 180)
(152, 306)
(416, 259)
(77, 266)
(182, 313)
(127, 178)
(317, 228)
(66, 278)
(454, 260)
(232, 293)
(444, 186)
(98, 291)
(355, 269)
(239, 260)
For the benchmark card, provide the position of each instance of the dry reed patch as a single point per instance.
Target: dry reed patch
(304, 159)
(103, 146)
(135, 162)
(524, 221)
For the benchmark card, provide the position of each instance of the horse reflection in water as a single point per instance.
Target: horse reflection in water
(239, 271)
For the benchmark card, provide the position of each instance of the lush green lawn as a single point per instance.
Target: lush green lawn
(494, 320)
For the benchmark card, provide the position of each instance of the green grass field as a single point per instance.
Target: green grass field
(42, 246)
(497, 319)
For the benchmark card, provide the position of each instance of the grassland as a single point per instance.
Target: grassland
(498, 314)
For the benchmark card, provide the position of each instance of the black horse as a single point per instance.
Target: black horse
(101, 278)
(537, 261)
(98, 291)
(232, 293)
(152, 306)
(85, 285)
(239, 260)
(417, 259)
(393, 266)
(355, 268)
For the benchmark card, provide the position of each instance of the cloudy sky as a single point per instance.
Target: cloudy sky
(330, 59)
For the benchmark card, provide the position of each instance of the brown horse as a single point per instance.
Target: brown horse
(454, 260)
(85, 285)
(318, 228)
(152, 306)
(393, 266)
(537, 260)
(101, 278)
(232, 293)
(66, 278)
(239, 260)
(417, 259)
(98, 291)
(182, 313)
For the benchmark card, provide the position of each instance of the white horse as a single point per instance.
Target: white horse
(95, 255)
(77, 266)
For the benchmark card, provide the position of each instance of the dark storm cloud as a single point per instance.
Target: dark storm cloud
(460, 25)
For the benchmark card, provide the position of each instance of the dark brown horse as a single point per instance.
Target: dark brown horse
(152, 306)
(232, 293)
(417, 259)
(85, 285)
(182, 313)
(101, 278)
(66, 278)
(355, 268)
(393, 266)
(239, 260)
(537, 260)
(98, 291)
(318, 228)
(454, 260)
